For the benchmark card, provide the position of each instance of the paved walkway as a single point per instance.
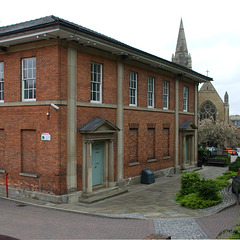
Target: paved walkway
(155, 201)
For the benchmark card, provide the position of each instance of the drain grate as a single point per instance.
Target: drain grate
(21, 205)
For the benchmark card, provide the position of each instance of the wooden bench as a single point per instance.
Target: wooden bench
(217, 161)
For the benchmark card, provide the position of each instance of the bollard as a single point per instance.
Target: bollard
(6, 174)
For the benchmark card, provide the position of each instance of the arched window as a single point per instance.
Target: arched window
(208, 110)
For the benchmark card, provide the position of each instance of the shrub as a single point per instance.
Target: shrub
(190, 182)
(234, 166)
(223, 181)
(203, 154)
(194, 201)
(208, 190)
(228, 175)
(196, 192)
(232, 233)
(228, 160)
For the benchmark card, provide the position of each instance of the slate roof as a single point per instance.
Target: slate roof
(63, 27)
(186, 125)
(96, 123)
(26, 25)
(50, 21)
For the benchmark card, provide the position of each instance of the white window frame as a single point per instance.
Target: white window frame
(96, 82)
(132, 89)
(150, 92)
(165, 95)
(185, 99)
(1, 81)
(29, 78)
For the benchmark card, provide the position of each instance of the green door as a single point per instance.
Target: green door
(97, 163)
(186, 159)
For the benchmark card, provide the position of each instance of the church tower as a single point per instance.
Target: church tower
(181, 55)
(226, 107)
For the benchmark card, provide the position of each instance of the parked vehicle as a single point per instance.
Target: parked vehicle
(231, 151)
(213, 150)
(238, 151)
(236, 185)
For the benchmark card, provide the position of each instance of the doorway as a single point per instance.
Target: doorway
(97, 163)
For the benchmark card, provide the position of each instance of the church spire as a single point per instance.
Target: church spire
(181, 55)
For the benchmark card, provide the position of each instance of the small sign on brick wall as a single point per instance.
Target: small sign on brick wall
(45, 137)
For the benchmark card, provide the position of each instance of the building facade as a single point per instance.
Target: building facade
(235, 120)
(80, 110)
(211, 105)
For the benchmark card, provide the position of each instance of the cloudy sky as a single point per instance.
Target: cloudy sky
(212, 30)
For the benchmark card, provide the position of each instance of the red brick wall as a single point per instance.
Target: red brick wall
(47, 84)
(45, 161)
(191, 98)
(51, 156)
(142, 87)
(3, 163)
(143, 119)
(18, 120)
(109, 78)
(28, 151)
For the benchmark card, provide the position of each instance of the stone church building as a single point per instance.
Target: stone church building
(210, 103)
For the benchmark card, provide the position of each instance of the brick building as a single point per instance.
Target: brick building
(80, 110)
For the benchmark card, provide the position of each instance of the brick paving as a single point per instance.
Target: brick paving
(30, 222)
(151, 207)
(214, 224)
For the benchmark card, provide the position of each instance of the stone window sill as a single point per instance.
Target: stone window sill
(28, 175)
(151, 160)
(166, 157)
(133, 164)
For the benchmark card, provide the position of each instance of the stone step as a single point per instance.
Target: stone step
(191, 169)
(101, 195)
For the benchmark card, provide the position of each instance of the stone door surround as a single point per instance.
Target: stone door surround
(98, 130)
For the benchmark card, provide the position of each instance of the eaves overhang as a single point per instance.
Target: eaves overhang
(53, 27)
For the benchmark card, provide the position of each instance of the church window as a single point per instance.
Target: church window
(208, 110)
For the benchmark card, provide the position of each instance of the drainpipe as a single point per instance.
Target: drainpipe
(176, 125)
(6, 174)
(196, 123)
